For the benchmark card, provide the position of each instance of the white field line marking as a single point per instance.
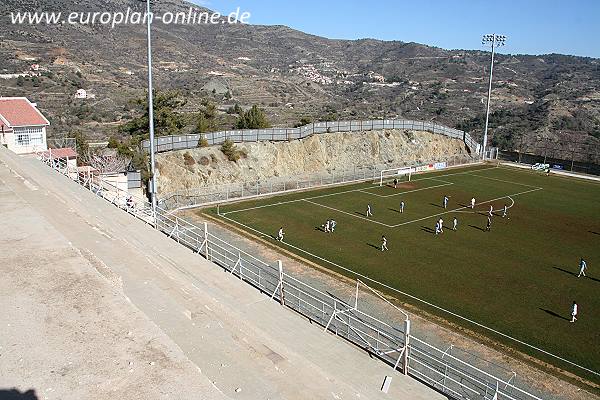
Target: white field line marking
(337, 193)
(427, 217)
(291, 201)
(501, 209)
(421, 300)
(465, 207)
(502, 180)
(409, 191)
(350, 214)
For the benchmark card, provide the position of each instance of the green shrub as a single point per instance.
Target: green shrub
(303, 121)
(202, 142)
(188, 160)
(254, 118)
(231, 151)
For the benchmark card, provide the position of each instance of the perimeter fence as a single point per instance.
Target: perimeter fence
(182, 142)
(555, 163)
(451, 371)
(278, 185)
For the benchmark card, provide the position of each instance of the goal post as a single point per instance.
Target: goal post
(402, 174)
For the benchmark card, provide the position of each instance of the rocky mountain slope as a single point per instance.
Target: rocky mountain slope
(195, 168)
(549, 100)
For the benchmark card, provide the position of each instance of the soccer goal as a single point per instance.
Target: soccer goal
(402, 174)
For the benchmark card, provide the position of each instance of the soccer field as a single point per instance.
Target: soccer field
(519, 279)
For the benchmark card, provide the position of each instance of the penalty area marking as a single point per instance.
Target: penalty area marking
(466, 207)
(460, 209)
(501, 209)
(358, 190)
(347, 191)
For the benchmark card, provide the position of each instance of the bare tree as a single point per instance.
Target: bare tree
(58, 142)
(107, 161)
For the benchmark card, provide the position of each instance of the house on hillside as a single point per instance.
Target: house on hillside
(22, 125)
(84, 94)
(81, 94)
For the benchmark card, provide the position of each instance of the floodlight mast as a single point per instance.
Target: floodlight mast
(151, 111)
(494, 41)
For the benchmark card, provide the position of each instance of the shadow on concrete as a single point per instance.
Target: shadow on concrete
(15, 394)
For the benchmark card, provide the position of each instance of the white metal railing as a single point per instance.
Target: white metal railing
(393, 344)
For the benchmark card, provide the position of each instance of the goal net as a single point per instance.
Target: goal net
(387, 176)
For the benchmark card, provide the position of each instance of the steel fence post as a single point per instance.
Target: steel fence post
(206, 241)
(281, 293)
(406, 344)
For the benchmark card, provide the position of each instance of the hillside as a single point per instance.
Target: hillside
(306, 158)
(550, 100)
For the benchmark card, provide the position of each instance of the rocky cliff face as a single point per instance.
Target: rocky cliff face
(193, 168)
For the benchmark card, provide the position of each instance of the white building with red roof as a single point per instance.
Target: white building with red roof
(22, 125)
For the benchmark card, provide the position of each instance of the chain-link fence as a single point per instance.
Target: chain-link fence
(455, 373)
(181, 142)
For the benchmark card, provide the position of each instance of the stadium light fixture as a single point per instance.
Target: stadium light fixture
(151, 110)
(493, 41)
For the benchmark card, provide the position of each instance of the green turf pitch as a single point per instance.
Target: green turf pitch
(519, 278)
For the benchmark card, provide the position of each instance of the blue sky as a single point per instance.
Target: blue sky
(532, 26)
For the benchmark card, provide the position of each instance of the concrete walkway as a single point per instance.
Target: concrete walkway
(243, 345)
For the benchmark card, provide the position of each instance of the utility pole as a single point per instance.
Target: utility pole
(151, 111)
(494, 41)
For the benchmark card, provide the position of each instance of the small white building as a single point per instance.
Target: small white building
(22, 126)
(84, 94)
(81, 94)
